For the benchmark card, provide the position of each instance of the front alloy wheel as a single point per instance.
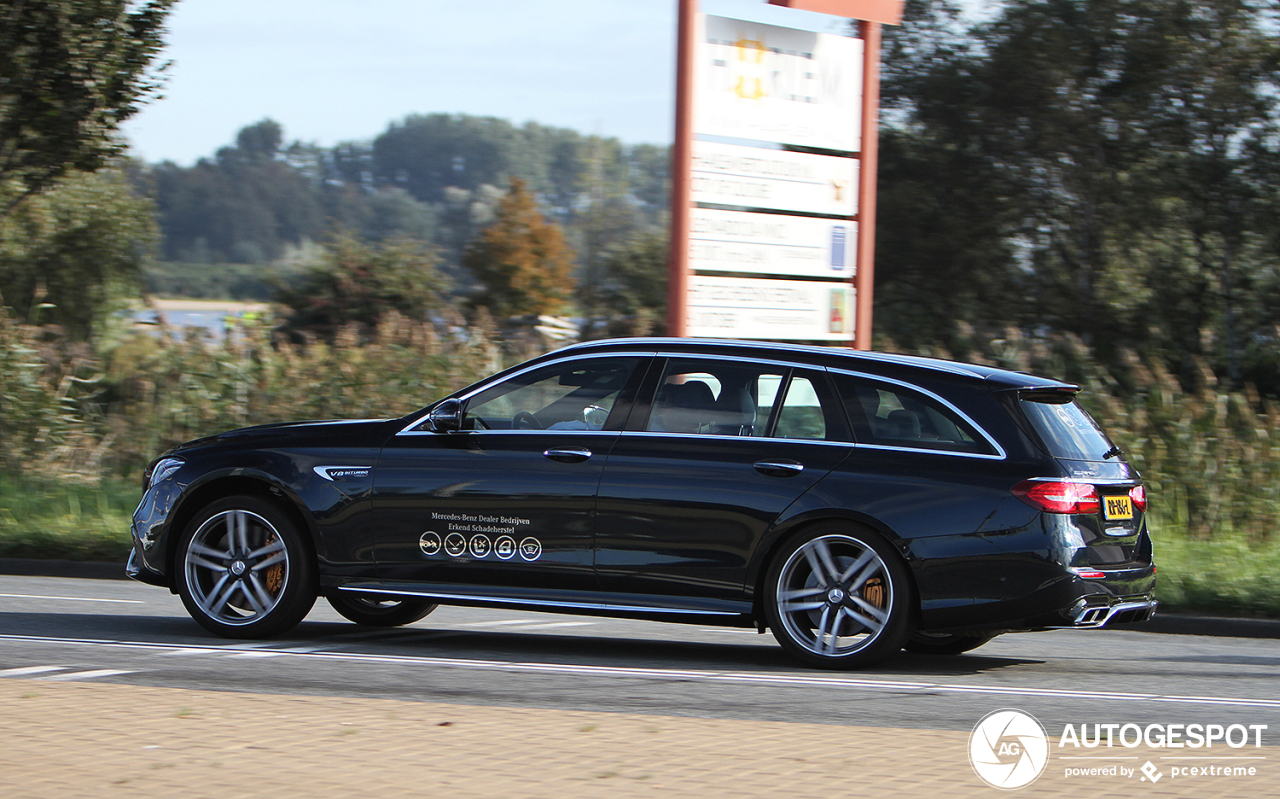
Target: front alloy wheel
(244, 571)
(839, 597)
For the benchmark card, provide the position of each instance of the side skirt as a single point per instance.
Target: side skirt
(689, 610)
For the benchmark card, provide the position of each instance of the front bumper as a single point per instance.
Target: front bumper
(135, 570)
(149, 531)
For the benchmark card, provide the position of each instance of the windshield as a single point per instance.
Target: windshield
(1067, 429)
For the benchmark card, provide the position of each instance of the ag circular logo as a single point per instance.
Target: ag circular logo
(1008, 749)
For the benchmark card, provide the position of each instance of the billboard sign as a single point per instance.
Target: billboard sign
(777, 180)
(753, 308)
(774, 84)
(771, 244)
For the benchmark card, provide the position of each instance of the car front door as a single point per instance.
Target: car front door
(506, 499)
(693, 484)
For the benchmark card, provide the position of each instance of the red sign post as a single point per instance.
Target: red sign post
(870, 15)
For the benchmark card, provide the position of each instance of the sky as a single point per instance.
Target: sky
(341, 70)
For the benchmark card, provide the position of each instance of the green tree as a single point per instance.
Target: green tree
(634, 288)
(245, 205)
(521, 261)
(1119, 155)
(76, 250)
(358, 282)
(70, 72)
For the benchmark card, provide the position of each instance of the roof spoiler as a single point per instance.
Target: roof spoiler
(1057, 395)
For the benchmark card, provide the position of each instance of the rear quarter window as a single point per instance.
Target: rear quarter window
(888, 415)
(1067, 430)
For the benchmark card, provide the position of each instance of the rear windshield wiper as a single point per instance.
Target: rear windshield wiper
(1112, 453)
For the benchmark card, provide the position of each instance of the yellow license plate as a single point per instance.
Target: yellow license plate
(1117, 508)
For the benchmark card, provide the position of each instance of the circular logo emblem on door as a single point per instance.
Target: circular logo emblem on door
(455, 544)
(531, 549)
(480, 545)
(505, 547)
(429, 543)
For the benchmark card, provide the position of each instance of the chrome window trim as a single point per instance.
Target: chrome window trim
(484, 386)
(684, 436)
(540, 602)
(1001, 454)
(698, 356)
(510, 432)
(927, 451)
(1131, 482)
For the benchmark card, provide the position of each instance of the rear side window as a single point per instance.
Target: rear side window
(741, 398)
(801, 413)
(1067, 429)
(721, 398)
(892, 416)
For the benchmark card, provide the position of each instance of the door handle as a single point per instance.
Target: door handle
(568, 454)
(779, 468)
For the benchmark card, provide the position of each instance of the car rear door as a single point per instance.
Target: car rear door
(717, 451)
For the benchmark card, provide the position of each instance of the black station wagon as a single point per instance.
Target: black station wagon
(853, 503)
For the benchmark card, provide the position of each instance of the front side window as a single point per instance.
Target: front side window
(889, 415)
(577, 395)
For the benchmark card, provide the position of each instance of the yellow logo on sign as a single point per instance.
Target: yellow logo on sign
(750, 52)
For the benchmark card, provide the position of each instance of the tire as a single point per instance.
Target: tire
(244, 570)
(376, 610)
(838, 597)
(945, 643)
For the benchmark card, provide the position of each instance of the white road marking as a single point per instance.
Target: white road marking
(92, 674)
(75, 598)
(681, 675)
(28, 670)
(525, 624)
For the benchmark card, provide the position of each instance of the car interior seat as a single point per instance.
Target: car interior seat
(683, 407)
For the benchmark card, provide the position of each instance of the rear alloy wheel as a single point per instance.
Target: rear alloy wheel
(839, 597)
(945, 643)
(380, 610)
(243, 569)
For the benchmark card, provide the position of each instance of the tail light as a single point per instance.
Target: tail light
(1059, 496)
(1139, 496)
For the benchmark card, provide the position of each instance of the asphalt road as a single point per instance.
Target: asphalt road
(122, 632)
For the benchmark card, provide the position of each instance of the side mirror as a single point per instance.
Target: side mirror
(445, 417)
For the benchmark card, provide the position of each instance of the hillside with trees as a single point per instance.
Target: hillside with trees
(437, 179)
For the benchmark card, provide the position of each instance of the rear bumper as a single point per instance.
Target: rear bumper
(1126, 611)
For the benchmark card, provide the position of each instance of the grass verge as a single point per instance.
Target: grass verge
(64, 520)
